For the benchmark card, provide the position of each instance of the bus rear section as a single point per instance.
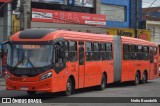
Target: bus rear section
(139, 60)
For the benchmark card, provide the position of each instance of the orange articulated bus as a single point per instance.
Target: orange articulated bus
(50, 60)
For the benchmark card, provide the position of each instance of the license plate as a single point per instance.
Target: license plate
(24, 88)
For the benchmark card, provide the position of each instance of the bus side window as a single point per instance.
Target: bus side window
(151, 55)
(155, 51)
(89, 54)
(139, 54)
(145, 53)
(72, 51)
(102, 51)
(59, 62)
(127, 52)
(59, 53)
(95, 51)
(133, 52)
(108, 51)
(67, 50)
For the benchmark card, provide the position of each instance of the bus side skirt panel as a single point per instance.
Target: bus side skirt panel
(117, 58)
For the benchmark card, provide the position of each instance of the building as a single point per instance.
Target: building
(92, 16)
(151, 17)
(121, 18)
(5, 20)
(121, 13)
(76, 15)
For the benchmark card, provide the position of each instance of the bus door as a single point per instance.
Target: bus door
(81, 72)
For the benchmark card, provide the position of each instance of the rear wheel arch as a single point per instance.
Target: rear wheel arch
(144, 77)
(103, 81)
(146, 72)
(73, 81)
(137, 77)
(105, 74)
(139, 72)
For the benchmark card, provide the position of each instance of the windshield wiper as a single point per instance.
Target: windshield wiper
(18, 64)
(31, 63)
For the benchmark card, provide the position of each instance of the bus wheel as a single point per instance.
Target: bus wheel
(68, 87)
(31, 93)
(103, 83)
(137, 79)
(144, 78)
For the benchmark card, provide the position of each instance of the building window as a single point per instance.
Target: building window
(152, 31)
(114, 12)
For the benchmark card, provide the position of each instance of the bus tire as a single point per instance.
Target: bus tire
(144, 78)
(102, 86)
(31, 93)
(137, 79)
(69, 87)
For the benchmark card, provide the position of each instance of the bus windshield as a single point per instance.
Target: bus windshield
(29, 56)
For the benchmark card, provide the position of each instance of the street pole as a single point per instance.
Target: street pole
(7, 21)
(25, 12)
(21, 14)
(136, 19)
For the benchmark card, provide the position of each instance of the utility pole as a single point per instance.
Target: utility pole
(22, 14)
(7, 21)
(25, 14)
(136, 19)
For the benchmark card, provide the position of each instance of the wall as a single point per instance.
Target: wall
(130, 13)
(129, 32)
(125, 3)
(73, 27)
(155, 34)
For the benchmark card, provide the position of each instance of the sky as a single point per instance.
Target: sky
(147, 3)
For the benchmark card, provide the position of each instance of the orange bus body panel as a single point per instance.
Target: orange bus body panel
(88, 75)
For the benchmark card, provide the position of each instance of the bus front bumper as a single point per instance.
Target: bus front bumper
(43, 85)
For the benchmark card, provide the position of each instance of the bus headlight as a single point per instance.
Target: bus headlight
(7, 75)
(45, 76)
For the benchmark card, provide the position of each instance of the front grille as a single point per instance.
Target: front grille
(30, 72)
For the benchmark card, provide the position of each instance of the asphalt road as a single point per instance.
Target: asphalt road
(151, 89)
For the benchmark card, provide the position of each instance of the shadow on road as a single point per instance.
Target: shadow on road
(59, 95)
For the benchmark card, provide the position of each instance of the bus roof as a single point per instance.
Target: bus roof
(130, 40)
(42, 34)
